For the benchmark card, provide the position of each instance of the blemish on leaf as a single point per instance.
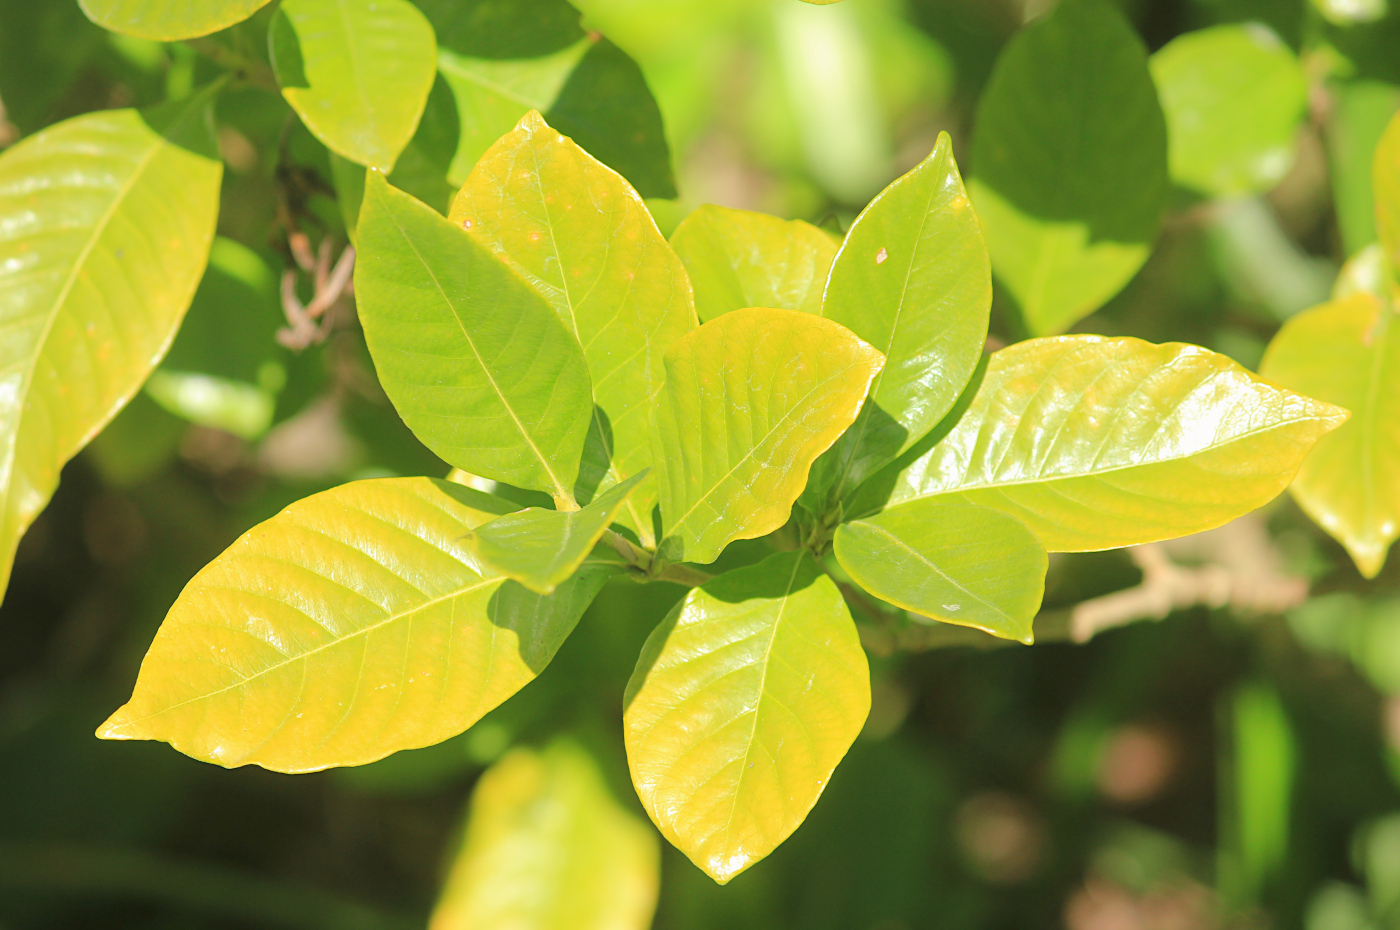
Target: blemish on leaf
(880, 256)
(467, 223)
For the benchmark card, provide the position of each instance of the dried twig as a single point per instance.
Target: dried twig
(331, 285)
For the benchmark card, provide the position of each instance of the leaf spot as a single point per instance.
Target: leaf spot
(952, 607)
(881, 255)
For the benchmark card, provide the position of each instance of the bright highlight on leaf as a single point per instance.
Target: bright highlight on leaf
(357, 72)
(751, 399)
(105, 225)
(1234, 98)
(475, 361)
(547, 846)
(580, 235)
(744, 700)
(1097, 443)
(1348, 352)
(168, 20)
(1070, 163)
(353, 624)
(542, 548)
(738, 258)
(949, 560)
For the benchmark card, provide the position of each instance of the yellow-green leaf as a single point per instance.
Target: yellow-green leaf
(542, 548)
(579, 234)
(1070, 162)
(1386, 184)
(105, 226)
(168, 20)
(744, 700)
(751, 399)
(355, 623)
(476, 362)
(912, 279)
(548, 848)
(949, 560)
(1348, 352)
(357, 72)
(738, 258)
(1097, 443)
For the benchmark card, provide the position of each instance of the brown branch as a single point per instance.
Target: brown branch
(331, 285)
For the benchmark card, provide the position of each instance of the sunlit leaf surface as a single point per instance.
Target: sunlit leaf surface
(912, 280)
(580, 235)
(1386, 184)
(355, 623)
(1070, 162)
(738, 258)
(357, 72)
(744, 700)
(475, 361)
(1097, 443)
(541, 548)
(548, 848)
(949, 560)
(1348, 352)
(751, 399)
(105, 226)
(168, 20)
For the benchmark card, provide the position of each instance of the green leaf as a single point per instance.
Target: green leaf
(1097, 443)
(1361, 111)
(353, 624)
(1348, 352)
(751, 399)
(1070, 163)
(949, 560)
(168, 20)
(1350, 12)
(913, 280)
(1386, 183)
(542, 548)
(476, 362)
(357, 72)
(548, 848)
(43, 49)
(580, 235)
(737, 259)
(744, 700)
(1234, 97)
(105, 225)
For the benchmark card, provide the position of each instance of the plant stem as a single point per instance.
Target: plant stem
(250, 69)
(684, 574)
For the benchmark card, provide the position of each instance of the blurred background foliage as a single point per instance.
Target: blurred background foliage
(1230, 766)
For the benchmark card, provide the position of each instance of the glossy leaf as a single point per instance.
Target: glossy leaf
(1097, 443)
(542, 548)
(1348, 353)
(475, 361)
(1234, 97)
(105, 225)
(168, 20)
(353, 624)
(548, 848)
(1070, 163)
(751, 399)
(913, 280)
(580, 235)
(738, 258)
(744, 700)
(1386, 184)
(949, 560)
(357, 72)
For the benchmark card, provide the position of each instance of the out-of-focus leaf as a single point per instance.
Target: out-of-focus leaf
(951, 561)
(1359, 118)
(751, 399)
(1234, 97)
(168, 20)
(548, 848)
(476, 362)
(234, 406)
(105, 226)
(913, 280)
(1348, 353)
(738, 258)
(1348, 12)
(136, 444)
(1366, 272)
(1070, 163)
(357, 72)
(542, 548)
(1260, 782)
(1261, 263)
(580, 235)
(1386, 184)
(744, 700)
(1097, 443)
(43, 46)
(353, 624)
